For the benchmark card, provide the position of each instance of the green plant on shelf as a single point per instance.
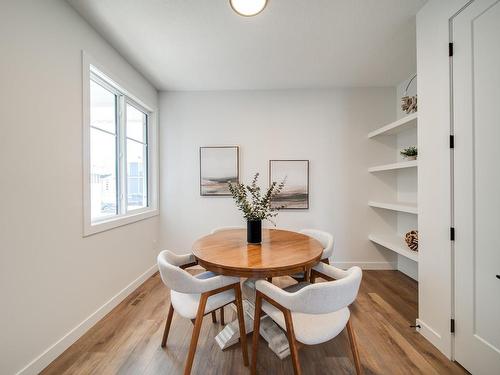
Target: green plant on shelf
(409, 152)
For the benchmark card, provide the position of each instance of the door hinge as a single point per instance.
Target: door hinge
(452, 234)
(452, 325)
(450, 49)
(452, 141)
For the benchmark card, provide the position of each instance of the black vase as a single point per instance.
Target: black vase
(254, 231)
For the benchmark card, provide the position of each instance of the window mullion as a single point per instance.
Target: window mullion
(148, 163)
(122, 155)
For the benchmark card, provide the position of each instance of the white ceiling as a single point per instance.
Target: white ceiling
(204, 45)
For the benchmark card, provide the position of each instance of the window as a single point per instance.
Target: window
(103, 152)
(137, 158)
(119, 156)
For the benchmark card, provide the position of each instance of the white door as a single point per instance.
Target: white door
(476, 115)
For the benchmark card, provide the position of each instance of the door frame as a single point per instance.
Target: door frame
(454, 271)
(452, 173)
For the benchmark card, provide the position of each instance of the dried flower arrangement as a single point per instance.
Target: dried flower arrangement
(409, 103)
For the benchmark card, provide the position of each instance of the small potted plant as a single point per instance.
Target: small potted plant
(255, 206)
(409, 153)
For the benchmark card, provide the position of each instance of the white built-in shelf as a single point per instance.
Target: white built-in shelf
(396, 126)
(410, 208)
(394, 166)
(395, 243)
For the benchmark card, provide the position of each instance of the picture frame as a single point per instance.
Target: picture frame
(295, 194)
(218, 166)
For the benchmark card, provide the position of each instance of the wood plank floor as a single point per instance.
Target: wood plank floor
(127, 340)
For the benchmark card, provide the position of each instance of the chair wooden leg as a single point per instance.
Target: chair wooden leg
(241, 322)
(214, 317)
(312, 278)
(307, 275)
(269, 279)
(167, 325)
(354, 348)
(326, 260)
(222, 316)
(256, 331)
(292, 342)
(196, 333)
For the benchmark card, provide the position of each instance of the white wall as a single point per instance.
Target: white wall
(328, 127)
(435, 258)
(52, 279)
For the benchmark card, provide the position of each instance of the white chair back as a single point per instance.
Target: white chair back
(322, 298)
(175, 277)
(325, 238)
(221, 229)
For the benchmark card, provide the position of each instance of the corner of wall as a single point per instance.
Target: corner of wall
(56, 349)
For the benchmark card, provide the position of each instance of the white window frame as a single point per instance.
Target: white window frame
(91, 68)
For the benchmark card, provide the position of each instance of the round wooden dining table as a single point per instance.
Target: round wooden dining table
(280, 253)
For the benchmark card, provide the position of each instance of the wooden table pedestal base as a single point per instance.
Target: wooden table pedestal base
(269, 330)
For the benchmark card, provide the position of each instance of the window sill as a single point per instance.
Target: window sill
(90, 229)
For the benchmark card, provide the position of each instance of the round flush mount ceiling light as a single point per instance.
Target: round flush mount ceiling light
(248, 8)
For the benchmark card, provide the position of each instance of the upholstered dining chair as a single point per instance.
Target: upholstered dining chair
(191, 262)
(193, 297)
(326, 240)
(221, 229)
(217, 230)
(310, 313)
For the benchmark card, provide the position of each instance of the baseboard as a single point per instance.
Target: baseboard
(44, 359)
(434, 338)
(367, 265)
